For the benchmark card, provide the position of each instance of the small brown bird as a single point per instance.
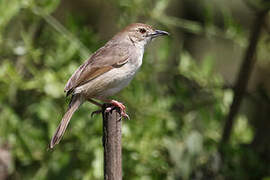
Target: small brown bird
(107, 71)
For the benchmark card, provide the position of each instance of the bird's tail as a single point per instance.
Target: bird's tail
(74, 104)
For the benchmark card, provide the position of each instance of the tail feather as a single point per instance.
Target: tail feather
(74, 104)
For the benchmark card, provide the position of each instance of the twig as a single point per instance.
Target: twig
(243, 77)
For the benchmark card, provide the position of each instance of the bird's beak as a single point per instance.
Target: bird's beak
(159, 33)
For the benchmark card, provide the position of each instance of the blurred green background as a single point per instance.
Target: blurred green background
(178, 102)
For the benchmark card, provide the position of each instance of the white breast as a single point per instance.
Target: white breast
(121, 77)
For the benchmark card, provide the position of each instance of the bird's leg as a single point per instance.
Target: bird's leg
(117, 104)
(96, 103)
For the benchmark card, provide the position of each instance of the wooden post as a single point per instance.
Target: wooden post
(112, 143)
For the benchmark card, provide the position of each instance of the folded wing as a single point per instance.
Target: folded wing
(106, 58)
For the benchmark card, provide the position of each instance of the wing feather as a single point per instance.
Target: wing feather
(106, 58)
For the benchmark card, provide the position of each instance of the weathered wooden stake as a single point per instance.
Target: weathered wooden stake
(112, 143)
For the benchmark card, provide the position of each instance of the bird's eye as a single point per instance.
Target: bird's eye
(142, 30)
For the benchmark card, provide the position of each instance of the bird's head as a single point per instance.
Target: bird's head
(142, 34)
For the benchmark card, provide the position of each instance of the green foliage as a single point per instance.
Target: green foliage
(176, 103)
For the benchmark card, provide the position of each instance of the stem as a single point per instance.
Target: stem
(243, 76)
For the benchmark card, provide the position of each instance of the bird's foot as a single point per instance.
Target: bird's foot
(96, 112)
(120, 105)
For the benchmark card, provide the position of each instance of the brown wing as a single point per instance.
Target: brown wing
(106, 58)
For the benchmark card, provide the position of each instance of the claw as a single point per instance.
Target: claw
(96, 112)
(125, 115)
(122, 108)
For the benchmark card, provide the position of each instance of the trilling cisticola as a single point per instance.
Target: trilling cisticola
(107, 71)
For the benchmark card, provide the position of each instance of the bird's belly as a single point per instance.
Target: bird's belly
(114, 88)
(108, 83)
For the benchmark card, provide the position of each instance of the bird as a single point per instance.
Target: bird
(106, 72)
